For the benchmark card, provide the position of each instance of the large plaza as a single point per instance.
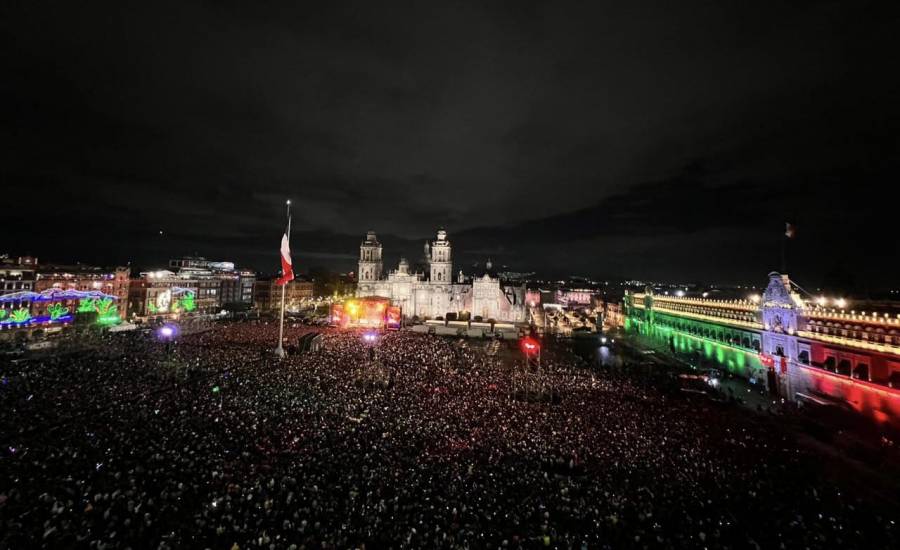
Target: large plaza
(210, 442)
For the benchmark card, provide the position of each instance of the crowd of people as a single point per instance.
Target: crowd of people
(212, 442)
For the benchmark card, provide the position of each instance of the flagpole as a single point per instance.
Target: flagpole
(279, 351)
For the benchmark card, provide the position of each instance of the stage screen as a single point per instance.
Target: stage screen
(337, 317)
(365, 312)
(392, 319)
(371, 312)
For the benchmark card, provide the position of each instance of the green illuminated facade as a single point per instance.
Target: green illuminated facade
(187, 302)
(105, 308)
(57, 311)
(20, 315)
(705, 343)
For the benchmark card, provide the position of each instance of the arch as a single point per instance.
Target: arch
(844, 367)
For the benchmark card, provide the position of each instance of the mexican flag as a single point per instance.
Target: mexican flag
(287, 270)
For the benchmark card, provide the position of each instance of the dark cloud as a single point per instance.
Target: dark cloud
(639, 139)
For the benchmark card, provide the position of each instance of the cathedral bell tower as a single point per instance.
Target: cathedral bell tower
(370, 264)
(440, 260)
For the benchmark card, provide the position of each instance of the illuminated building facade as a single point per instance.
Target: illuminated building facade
(34, 296)
(91, 305)
(267, 295)
(573, 298)
(235, 287)
(613, 316)
(16, 275)
(437, 294)
(219, 283)
(207, 287)
(113, 282)
(798, 348)
(243, 291)
(162, 294)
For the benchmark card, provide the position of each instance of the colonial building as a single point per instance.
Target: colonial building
(16, 275)
(795, 346)
(435, 294)
(110, 281)
(48, 297)
(267, 295)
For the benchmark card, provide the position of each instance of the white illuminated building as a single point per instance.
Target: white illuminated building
(437, 294)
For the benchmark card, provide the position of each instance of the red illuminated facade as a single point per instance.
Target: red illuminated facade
(804, 350)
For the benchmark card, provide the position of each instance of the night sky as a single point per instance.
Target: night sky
(667, 140)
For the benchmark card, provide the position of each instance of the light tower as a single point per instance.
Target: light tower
(370, 264)
(441, 261)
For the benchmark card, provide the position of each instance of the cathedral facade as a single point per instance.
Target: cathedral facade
(435, 293)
